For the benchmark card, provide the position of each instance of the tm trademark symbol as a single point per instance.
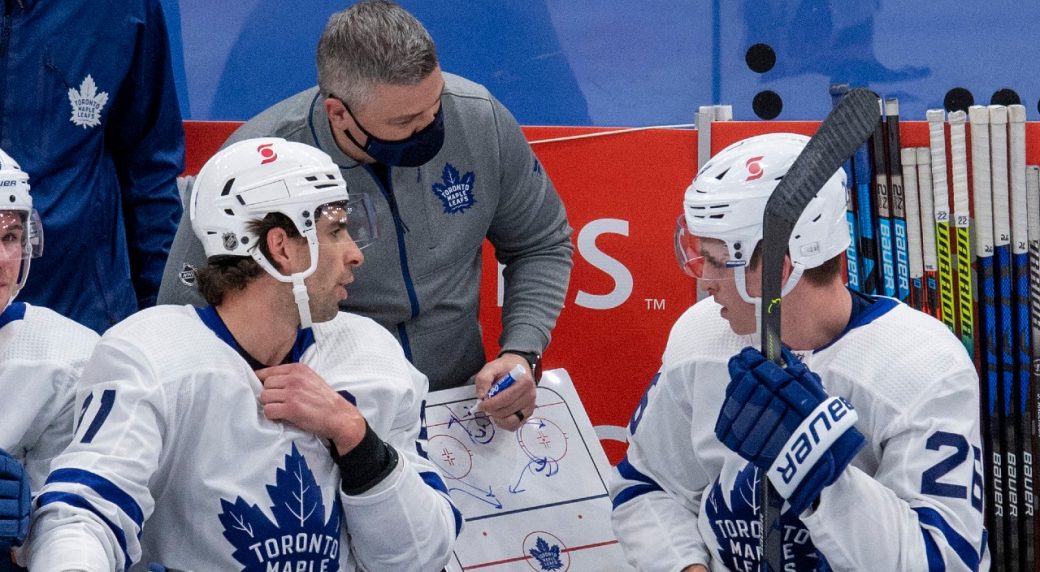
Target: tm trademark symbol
(654, 303)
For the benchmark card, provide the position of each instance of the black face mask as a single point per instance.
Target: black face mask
(412, 151)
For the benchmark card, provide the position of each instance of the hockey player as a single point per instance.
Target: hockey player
(41, 356)
(268, 431)
(885, 472)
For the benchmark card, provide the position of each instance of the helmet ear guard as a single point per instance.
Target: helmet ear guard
(726, 201)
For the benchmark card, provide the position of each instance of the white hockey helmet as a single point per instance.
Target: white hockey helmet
(727, 199)
(253, 178)
(21, 234)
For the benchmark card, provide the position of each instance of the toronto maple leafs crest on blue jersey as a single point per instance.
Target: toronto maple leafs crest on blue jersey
(87, 103)
(737, 527)
(455, 190)
(299, 539)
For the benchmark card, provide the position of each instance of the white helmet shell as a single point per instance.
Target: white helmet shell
(253, 178)
(727, 201)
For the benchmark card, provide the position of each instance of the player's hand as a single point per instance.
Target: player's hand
(762, 421)
(294, 393)
(14, 503)
(510, 408)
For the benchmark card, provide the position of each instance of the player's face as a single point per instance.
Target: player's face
(338, 256)
(719, 281)
(12, 245)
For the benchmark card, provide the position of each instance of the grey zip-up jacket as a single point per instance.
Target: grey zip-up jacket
(421, 279)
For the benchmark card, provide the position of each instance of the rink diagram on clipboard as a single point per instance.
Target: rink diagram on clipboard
(535, 499)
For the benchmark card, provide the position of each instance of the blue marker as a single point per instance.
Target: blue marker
(501, 385)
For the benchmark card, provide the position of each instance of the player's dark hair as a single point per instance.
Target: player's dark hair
(821, 275)
(223, 274)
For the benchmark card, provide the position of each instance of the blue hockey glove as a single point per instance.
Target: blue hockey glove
(14, 502)
(781, 420)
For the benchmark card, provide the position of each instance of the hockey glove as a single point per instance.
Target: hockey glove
(14, 502)
(781, 420)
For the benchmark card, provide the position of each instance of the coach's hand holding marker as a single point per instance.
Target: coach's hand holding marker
(499, 386)
(782, 421)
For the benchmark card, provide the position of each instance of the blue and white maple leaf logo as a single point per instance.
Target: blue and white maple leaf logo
(299, 539)
(455, 191)
(548, 557)
(87, 103)
(734, 519)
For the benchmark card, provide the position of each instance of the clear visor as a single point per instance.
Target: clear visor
(688, 250)
(21, 235)
(353, 219)
(702, 258)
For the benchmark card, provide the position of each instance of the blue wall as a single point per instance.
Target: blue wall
(628, 63)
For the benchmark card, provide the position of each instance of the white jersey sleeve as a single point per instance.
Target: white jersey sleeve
(412, 501)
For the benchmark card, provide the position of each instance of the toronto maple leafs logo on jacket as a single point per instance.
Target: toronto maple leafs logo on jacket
(87, 103)
(454, 190)
(299, 539)
(735, 522)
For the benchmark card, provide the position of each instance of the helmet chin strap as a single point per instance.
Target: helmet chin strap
(741, 281)
(302, 299)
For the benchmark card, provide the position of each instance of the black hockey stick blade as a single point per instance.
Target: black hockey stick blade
(847, 127)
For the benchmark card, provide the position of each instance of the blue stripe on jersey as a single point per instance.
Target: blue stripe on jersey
(77, 501)
(626, 470)
(12, 313)
(865, 309)
(436, 483)
(960, 545)
(931, 550)
(105, 488)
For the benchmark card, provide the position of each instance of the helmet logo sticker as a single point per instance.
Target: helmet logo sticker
(754, 168)
(267, 153)
(87, 103)
(230, 241)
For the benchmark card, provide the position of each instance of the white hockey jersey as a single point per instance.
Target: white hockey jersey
(173, 460)
(911, 500)
(41, 356)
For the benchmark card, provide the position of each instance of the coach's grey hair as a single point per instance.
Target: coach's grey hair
(372, 42)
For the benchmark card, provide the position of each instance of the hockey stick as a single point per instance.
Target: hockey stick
(896, 191)
(846, 128)
(883, 211)
(1033, 224)
(931, 263)
(913, 227)
(838, 90)
(1023, 376)
(998, 118)
(962, 228)
(941, 200)
(989, 368)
